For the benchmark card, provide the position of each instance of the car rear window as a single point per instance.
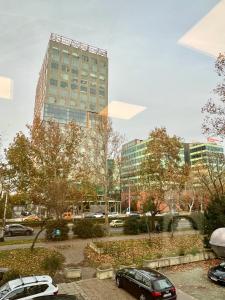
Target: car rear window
(162, 284)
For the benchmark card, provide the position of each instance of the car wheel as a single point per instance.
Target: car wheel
(118, 282)
(9, 233)
(142, 297)
(28, 232)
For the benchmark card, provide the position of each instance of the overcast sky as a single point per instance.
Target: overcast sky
(146, 64)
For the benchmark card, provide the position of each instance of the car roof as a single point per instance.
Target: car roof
(28, 280)
(150, 273)
(16, 224)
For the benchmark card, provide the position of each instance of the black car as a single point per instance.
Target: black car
(217, 274)
(18, 229)
(145, 284)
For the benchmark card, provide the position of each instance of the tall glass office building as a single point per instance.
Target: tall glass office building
(73, 82)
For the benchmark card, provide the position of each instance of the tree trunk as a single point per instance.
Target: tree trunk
(37, 235)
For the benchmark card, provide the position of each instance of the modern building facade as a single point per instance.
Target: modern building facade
(134, 152)
(73, 82)
(200, 152)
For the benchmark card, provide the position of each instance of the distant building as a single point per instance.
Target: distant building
(134, 152)
(73, 82)
(200, 152)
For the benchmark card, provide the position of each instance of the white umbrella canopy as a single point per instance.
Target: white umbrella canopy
(218, 237)
(217, 242)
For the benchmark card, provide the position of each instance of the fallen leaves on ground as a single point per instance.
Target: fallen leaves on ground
(134, 251)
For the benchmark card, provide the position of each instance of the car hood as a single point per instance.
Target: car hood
(218, 271)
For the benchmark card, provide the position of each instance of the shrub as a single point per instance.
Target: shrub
(84, 229)
(57, 230)
(53, 263)
(98, 230)
(194, 251)
(88, 229)
(142, 223)
(10, 275)
(131, 226)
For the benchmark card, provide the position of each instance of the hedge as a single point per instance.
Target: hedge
(88, 229)
(57, 230)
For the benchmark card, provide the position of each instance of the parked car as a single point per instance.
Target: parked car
(89, 216)
(25, 213)
(18, 229)
(113, 214)
(98, 215)
(133, 214)
(145, 284)
(28, 287)
(32, 218)
(217, 273)
(116, 223)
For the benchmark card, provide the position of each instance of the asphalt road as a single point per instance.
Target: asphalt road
(42, 235)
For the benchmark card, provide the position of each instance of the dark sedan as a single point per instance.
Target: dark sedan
(217, 274)
(145, 284)
(18, 229)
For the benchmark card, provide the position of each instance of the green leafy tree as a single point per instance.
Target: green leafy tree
(46, 164)
(161, 171)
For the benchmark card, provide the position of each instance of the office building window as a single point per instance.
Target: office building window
(65, 57)
(83, 88)
(53, 90)
(85, 67)
(51, 99)
(101, 91)
(74, 94)
(93, 90)
(93, 75)
(84, 74)
(54, 65)
(84, 82)
(65, 68)
(74, 84)
(62, 101)
(53, 82)
(64, 84)
(64, 92)
(55, 54)
(75, 61)
(65, 76)
(74, 71)
(84, 58)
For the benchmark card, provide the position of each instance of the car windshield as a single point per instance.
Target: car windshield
(161, 284)
(4, 289)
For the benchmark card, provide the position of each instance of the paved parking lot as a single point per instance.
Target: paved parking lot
(195, 282)
(95, 289)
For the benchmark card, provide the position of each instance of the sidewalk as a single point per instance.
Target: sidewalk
(73, 249)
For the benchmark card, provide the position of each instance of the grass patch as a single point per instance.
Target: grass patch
(26, 262)
(18, 242)
(127, 252)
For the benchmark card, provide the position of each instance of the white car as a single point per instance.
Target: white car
(28, 288)
(98, 215)
(116, 223)
(113, 215)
